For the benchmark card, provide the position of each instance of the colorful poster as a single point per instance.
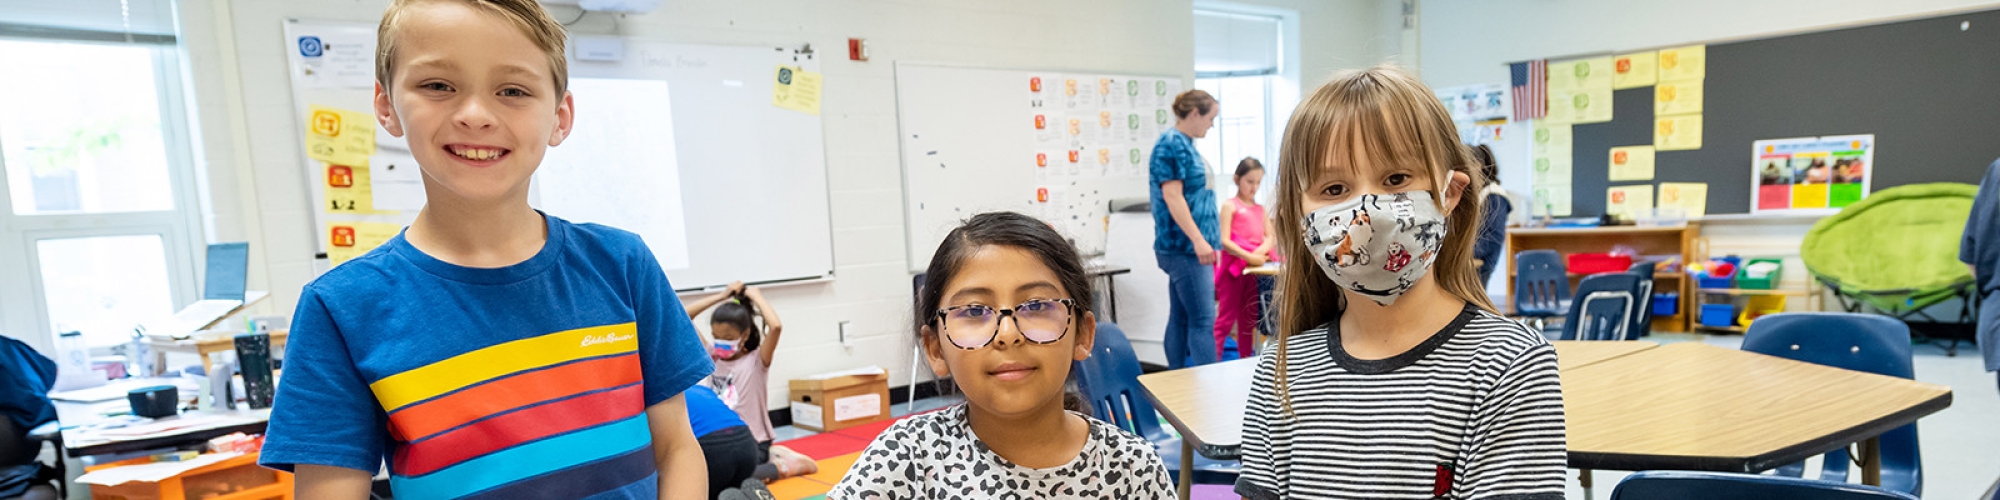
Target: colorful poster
(1691, 198)
(1677, 98)
(1631, 163)
(796, 89)
(1477, 103)
(1677, 133)
(1630, 71)
(339, 136)
(1551, 201)
(1684, 64)
(347, 240)
(1811, 173)
(1629, 202)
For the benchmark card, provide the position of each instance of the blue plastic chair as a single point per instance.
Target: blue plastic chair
(1642, 319)
(1860, 342)
(1541, 285)
(1110, 382)
(1682, 485)
(1603, 308)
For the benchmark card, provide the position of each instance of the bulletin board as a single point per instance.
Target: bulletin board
(690, 146)
(1922, 88)
(1057, 145)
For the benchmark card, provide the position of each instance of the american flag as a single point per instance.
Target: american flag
(1531, 89)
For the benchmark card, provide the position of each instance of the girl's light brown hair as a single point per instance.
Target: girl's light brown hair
(1379, 116)
(526, 15)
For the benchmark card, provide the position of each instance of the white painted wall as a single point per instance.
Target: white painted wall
(250, 145)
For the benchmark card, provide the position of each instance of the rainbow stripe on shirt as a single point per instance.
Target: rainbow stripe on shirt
(560, 415)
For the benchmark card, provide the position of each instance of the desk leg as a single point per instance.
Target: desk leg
(1111, 294)
(1871, 461)
(1187, 469)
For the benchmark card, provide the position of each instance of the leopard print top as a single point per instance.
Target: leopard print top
(936, 456)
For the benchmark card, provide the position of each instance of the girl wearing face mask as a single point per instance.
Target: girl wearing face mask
(1392, 377)
(742, 352)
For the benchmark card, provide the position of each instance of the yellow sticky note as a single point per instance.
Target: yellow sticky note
(348, 190)
(1561, 76)
(347, 240)
(1583, 105)
(1684, 64)
(1553, 138)
(1552, 169)
(339, 136)
(1809, 196)
(1677, 133)
(1677, 98)
(1690, 197)
(1581, 74)
(1552, 200)
(796, 89)
(1627, 202)
(1635, 70)
(1632, 163)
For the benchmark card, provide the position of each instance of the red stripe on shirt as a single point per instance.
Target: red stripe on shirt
(492, 397)
(512, 429)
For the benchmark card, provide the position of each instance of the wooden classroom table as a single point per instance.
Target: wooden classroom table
(1633, 405)
(1693, 406)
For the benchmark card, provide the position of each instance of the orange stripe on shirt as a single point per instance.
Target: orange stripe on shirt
(512, 429)
(496, 396)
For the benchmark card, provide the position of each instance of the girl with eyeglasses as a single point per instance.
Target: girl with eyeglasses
(1004, 310)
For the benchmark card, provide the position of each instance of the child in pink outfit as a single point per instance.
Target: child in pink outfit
(1243, 247)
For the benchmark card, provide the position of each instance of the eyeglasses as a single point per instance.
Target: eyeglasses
(1042, 321)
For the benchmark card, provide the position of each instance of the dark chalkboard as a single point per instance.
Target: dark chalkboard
(1928, 90)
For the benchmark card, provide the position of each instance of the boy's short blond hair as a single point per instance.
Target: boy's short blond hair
(527, 15)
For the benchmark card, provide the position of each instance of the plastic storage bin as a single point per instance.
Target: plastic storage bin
(1704, 281)
(1666, 304)
(1593, 263)
(1718, 315)
(1766, 282)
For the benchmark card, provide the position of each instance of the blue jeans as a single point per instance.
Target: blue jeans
(1191, 318)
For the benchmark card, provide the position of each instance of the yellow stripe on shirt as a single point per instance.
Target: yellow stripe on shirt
(451, 374)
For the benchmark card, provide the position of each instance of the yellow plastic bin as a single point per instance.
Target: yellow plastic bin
(1759, 305)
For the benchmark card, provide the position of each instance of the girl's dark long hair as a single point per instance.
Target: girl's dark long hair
(742, 314)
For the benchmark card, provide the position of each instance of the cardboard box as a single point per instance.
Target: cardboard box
(834, 401)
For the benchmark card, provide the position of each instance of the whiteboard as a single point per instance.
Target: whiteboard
(749, 178)
(979, 139)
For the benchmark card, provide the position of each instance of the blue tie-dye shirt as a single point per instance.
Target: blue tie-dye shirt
(1174, 159)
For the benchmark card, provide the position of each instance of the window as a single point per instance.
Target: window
(1237, 60)
(97, 212)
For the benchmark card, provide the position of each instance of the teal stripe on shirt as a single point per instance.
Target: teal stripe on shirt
(528, 460)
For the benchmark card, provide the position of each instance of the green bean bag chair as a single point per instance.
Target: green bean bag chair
(1896, 250)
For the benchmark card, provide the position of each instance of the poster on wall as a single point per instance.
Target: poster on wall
(1477, 103)
(1810, 174)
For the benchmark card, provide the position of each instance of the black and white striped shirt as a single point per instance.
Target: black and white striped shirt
(1475, 412)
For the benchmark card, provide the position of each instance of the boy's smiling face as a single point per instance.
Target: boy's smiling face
(476, 100)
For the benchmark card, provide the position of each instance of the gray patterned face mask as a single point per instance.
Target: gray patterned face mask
(1377, 245)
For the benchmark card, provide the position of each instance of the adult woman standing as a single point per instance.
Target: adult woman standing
(1185, 230)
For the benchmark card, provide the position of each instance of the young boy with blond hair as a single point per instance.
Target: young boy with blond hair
(490, 350)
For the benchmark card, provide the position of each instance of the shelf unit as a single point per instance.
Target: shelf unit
(1704, 295)
(1653, 240)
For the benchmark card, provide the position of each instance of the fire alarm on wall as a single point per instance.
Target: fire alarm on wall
(857, 49)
